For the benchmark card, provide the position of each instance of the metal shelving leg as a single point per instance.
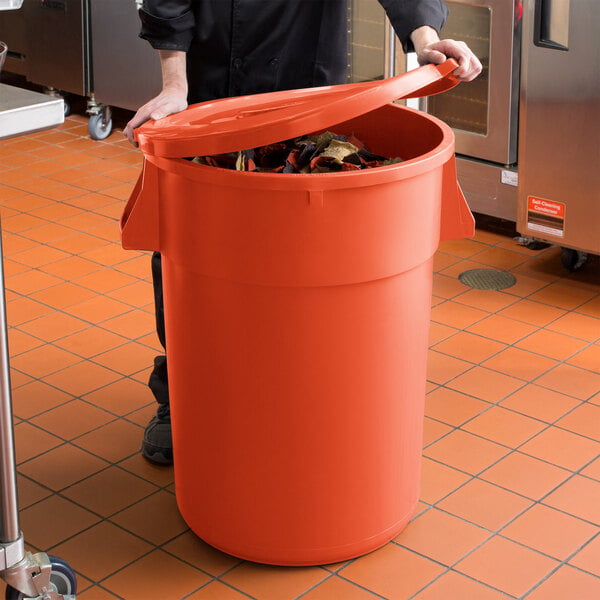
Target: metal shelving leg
(27, 575)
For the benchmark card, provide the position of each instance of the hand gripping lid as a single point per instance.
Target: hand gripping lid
(245, 122)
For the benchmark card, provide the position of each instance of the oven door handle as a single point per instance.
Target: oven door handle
(551, 24)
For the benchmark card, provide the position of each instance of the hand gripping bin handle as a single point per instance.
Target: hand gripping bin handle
(244, 122)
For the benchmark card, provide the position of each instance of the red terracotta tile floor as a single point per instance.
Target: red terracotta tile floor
(510, 504)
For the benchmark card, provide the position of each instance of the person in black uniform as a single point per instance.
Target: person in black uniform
(213, 49)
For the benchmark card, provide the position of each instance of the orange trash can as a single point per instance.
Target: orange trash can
(297, 315)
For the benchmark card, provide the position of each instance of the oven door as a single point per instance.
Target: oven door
(483, 112)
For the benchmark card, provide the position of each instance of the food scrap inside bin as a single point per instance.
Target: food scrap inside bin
(323, 153)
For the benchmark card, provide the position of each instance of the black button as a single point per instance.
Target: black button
(237, 63)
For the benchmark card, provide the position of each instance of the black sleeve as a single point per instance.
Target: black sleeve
(167, 24)
(407, 15)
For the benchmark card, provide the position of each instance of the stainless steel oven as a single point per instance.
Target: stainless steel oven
(559, 137)
(484, 113)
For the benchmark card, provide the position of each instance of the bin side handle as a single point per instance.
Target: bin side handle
(457, 222)
(139, 223)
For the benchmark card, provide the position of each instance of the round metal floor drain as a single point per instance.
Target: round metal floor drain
(487, 279)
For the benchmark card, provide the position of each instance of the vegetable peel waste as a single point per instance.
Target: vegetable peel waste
(323, 153)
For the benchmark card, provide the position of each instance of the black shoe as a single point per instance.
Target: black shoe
(157, 446)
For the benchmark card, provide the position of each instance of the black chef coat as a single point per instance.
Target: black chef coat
(237, 47)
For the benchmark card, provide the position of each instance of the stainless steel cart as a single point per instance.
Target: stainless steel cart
(28, 576)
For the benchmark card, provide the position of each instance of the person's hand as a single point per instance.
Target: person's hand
(430, 49)
(172, 99)
(469, 65)
(168, 102)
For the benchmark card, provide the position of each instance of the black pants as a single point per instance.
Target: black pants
(159, 381)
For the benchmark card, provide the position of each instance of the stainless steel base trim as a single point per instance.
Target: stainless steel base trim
(488, 187)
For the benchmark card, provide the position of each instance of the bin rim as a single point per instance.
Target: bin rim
(242, 122)
(406, 169)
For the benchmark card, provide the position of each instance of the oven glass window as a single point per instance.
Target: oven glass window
(466, 106)
(366, 53)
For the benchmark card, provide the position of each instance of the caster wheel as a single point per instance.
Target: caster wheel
(57, 94)
(536, 245)
(62, 581)
(100, 125)
(573, 260)
(67, 106)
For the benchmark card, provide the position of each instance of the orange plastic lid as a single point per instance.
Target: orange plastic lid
(243, 122)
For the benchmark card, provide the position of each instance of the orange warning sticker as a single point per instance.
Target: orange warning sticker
(546, 216)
